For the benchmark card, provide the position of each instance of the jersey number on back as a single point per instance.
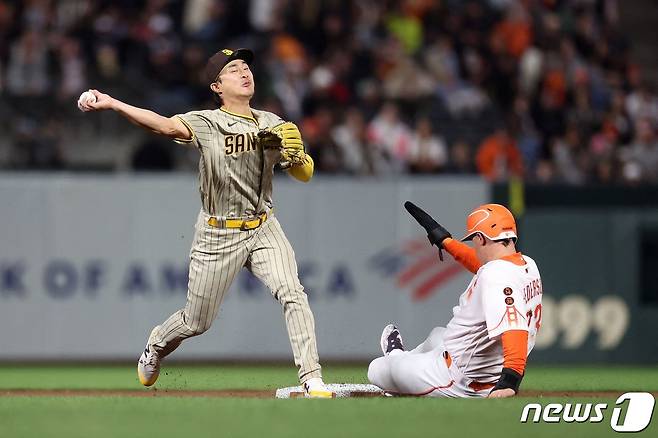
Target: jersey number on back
(537, 315)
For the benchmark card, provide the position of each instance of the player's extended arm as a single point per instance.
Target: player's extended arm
(303, 172)
(171, 127)
(442, 238)
(462, 253)
(515, 354)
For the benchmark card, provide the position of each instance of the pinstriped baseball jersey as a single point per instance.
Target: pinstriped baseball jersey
(235, 179)
(235, 174)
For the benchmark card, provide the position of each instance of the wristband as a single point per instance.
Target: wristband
(509, 379)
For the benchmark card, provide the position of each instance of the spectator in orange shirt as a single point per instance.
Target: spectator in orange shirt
(515, 32)
(498, 156)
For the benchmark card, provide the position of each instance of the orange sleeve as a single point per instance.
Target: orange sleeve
(515, 350)
(463, 253)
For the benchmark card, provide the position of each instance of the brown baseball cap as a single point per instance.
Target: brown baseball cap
(217, 61)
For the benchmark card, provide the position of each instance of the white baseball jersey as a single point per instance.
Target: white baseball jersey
(462, 358)
(503, 295)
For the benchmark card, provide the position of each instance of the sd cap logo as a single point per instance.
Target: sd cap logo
(509, 301)
(507, 291)
(227, 52)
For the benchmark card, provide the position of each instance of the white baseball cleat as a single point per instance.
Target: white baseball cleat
(391, 339)
(315, 388)
(148, 366)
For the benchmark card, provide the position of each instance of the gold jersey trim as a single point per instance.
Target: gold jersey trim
(182, 140)
(253, 119)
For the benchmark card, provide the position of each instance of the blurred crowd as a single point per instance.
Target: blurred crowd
(544, 90)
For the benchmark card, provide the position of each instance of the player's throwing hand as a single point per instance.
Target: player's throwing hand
(94, 100)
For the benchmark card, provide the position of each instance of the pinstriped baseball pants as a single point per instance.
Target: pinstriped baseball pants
(216, 257)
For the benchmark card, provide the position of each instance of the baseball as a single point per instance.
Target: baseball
(86, 97)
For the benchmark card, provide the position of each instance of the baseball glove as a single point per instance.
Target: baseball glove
(287, 139)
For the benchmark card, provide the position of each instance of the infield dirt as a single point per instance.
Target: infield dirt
(247, 393)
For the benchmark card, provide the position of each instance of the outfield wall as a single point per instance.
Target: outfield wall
(88, 264)
(591, 260)
(598, 252)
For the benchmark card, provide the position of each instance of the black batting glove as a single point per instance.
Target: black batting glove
(436, 234)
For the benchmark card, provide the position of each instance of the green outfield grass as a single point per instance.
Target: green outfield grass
(116, 416)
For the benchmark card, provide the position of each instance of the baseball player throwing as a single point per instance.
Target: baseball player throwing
(483, 349)
(236, 227)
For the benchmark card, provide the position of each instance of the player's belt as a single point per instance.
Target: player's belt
(238, 223)
(475, 386)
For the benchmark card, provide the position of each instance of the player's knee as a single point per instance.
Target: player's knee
(436, 337)
(377, 370)
(437, 333)
(398, 370)
(204, 326)
(201, 328)
(195, 328)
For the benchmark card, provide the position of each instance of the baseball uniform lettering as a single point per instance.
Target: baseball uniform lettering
(240, 143)
(532, 289)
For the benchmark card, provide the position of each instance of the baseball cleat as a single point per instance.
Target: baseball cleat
(315, 388)
(391, 339)
(148, 366)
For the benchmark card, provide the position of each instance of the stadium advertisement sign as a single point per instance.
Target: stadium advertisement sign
(104, 259)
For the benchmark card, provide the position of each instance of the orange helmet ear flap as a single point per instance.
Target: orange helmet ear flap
(493, 221)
